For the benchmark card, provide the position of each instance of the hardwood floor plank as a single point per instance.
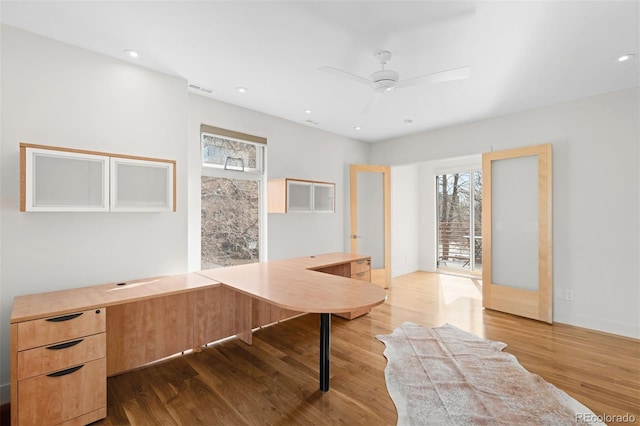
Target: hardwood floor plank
(275, 380)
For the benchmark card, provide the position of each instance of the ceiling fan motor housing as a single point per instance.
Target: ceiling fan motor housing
(384, 80)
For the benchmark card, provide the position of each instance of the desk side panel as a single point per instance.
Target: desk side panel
(145, 331)
(221, 312)
(14, 374)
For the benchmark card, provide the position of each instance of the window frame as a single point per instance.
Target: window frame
(259, 173)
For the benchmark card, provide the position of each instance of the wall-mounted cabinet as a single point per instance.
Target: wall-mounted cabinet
(56, 179)
(300, 196)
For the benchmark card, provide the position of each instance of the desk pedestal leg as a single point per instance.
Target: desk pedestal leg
(325, 335)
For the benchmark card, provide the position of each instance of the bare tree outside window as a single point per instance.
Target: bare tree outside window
(217, 150)
(231, 179)
(230, 222)
(459, 220)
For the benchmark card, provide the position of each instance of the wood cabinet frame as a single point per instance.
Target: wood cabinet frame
(278, 195)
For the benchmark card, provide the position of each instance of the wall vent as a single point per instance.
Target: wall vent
(200, 88)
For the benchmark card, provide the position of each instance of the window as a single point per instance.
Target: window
(232, 188)
(228, 154)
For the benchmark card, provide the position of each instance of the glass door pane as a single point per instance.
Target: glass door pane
(371, 217)
(514, 222)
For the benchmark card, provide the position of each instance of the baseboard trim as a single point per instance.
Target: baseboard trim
(597, 324)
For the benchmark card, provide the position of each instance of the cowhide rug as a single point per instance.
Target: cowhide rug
(446, 376)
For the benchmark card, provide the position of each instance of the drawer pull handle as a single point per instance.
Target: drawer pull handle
(64, 345)
(65, 317)
(360, 274)
(360, 261)
(65, 372)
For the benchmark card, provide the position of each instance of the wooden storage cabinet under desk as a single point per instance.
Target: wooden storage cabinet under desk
(361, 270)
(60, 369)
(358, 270)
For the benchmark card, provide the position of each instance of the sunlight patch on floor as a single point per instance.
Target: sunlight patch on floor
(453, 288)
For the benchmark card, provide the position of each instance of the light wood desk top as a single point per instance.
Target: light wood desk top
(291, 285)
(287, 283)
(100, 296)
(321, 261)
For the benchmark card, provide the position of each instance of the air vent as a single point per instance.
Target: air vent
(200, 88)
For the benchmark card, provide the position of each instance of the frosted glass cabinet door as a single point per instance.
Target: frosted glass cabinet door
(58, 181)
(141, 185)
(299, 196)
(323, 197)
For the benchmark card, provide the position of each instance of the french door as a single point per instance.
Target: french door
(370, 217)
(516, 233)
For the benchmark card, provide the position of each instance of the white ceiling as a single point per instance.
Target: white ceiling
(522, 54)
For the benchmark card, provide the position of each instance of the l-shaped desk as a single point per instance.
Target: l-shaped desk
(64, 345)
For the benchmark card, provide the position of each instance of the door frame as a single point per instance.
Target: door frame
(381, 277)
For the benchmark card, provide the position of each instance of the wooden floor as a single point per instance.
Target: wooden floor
(275, 381)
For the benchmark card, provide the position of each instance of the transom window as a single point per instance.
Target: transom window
(227, 151)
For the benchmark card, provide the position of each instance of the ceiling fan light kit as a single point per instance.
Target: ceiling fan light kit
(384, 80)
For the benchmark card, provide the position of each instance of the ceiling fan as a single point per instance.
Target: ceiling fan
(385, 80)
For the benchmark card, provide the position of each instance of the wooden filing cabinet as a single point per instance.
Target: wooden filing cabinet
(59, 371)
(359, 270)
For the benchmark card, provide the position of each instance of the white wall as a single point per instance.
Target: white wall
(55, 94)
(293, 150)
(596, 196)
(405, 203)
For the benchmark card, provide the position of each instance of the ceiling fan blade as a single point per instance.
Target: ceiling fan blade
(373, 101)
(438, 77)
(341, 73)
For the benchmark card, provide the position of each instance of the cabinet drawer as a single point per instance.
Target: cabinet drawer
(51, 399)
(364, 276)
(360, 266)
(32, 334)
(46, 359)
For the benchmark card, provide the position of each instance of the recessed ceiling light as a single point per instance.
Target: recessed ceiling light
(626, 57)
(242, 89)
(357, 127)
(307, 111)
(408, 121)
(131, 53)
